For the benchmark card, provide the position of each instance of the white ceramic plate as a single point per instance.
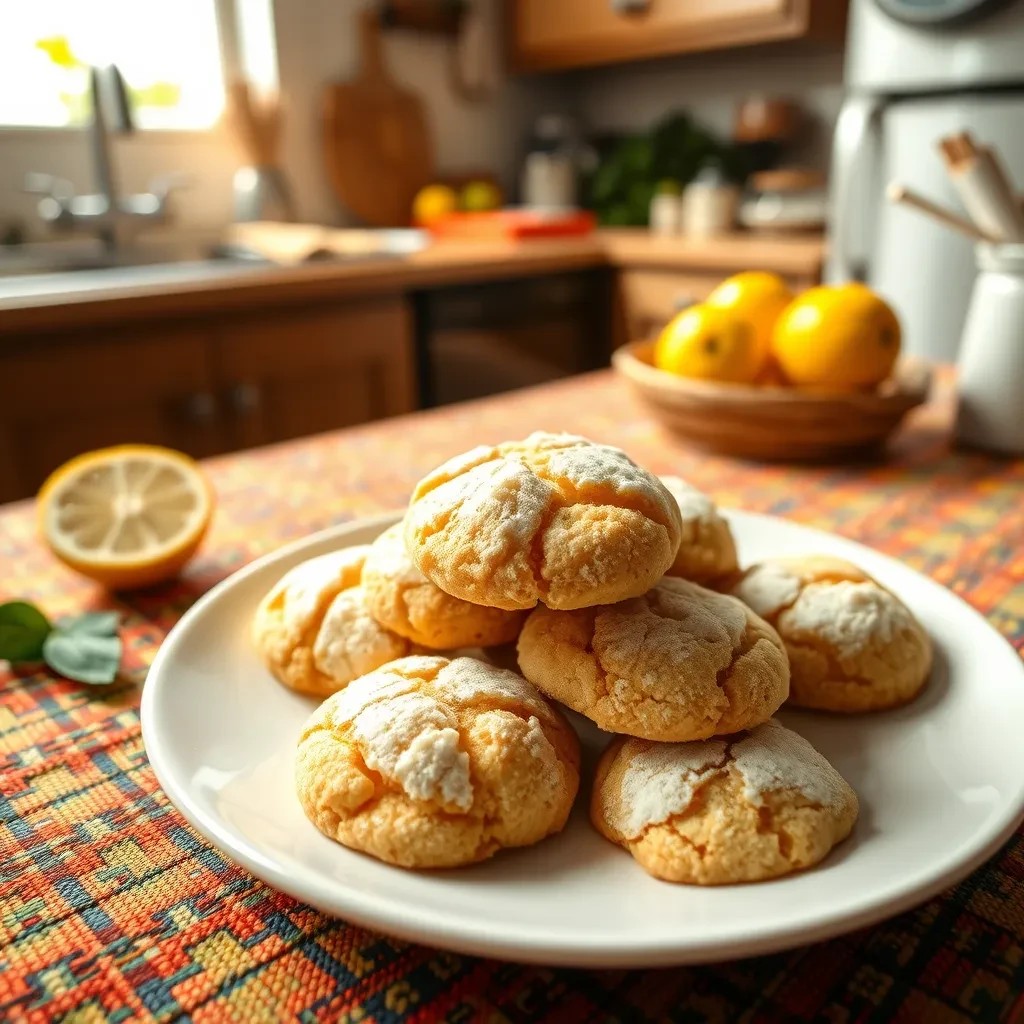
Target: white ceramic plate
(941, 787)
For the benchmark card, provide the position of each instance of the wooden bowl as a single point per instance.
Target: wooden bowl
(774, 423)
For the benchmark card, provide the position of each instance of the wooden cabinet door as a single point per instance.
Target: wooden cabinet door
(299, 371)
(63, 395)
(570, 33)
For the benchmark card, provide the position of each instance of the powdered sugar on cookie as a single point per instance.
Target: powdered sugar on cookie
(304, 586)
(662, 780)
(383, 684)
(660, 783)
(467, 680)
(850, 616)
(351, 642)
(767, 588)
(693, 503)
(596, 465)
(772, 758)
(388, 557)
(414, 741)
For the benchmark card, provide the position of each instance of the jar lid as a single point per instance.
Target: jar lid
(1001, 256)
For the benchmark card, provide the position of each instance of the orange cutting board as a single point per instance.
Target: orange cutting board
(376, 142)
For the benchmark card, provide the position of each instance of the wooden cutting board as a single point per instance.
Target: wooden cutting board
(376, 143)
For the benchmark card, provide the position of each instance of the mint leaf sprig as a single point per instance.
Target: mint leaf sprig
(85, 648)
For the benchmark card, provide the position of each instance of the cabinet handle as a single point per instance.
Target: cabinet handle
(244, 398)
(630, 6)
(683, 300)
(199, 407)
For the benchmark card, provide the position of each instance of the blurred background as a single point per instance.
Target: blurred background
(280, 218)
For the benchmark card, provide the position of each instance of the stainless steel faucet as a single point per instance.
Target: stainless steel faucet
(104, 212)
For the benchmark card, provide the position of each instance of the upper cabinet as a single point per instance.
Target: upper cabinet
(552, 34)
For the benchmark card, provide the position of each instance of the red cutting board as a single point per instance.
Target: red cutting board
(514, 224)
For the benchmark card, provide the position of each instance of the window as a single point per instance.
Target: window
(168, 53)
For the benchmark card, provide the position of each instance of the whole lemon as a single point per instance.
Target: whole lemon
(840, 336)
(480, 195)
(433, 202)
(756, 296)
(707, 342)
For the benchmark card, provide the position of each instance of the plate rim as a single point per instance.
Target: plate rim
(476, 940)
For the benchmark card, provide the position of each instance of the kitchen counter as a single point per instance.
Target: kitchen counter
(53, 302)
(114, 906)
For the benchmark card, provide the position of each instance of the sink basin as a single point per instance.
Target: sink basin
(37, 272)
(67, 257)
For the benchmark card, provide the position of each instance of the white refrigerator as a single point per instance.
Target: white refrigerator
(917, 70)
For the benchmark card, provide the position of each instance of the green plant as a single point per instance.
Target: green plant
(628, 175)
(85, 648)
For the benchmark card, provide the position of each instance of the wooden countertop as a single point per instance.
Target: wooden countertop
(87, 297)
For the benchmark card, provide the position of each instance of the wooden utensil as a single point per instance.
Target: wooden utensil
(376, 142)
(256, 121)
(261, 189)
(774, 423)
(983, 186)
(897, 193)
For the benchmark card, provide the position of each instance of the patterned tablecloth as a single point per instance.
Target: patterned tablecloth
(112, 908)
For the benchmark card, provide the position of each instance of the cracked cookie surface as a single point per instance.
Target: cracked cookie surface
(707, 551)
(553, 518)
(741, 809)
(852, 644)
(430, 762)
(403, 600)
(314, 631)
(679, 663)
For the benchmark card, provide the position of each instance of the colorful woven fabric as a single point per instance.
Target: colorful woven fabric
(112, 909)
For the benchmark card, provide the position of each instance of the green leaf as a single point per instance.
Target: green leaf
(23, 628)
(91, 624)
(84, 658)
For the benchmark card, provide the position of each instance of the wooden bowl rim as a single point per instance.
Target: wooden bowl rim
(907, 387)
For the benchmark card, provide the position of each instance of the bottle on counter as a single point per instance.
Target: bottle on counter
(549, 170)
(665, 218)
(709, 202)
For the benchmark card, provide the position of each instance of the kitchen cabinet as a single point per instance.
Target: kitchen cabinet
(646, 299)
(292, 374)
(203, 384)
(553, 34)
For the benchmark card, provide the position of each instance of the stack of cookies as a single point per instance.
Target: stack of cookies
(624, 597)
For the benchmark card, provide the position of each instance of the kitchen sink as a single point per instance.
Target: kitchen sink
(34, 271)
(69, 257)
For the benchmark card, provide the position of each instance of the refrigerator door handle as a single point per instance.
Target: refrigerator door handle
(855, 133)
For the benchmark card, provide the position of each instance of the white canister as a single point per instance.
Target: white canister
(709, 208)
(990, 371)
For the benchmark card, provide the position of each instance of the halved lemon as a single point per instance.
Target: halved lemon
(127, 517)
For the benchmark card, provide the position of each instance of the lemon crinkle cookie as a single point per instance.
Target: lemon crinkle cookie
(314, 631)
(853, 645)
(403, 600)
(554, 518)
(678, 663)
(755, 806)
(707, 551)
(430, 763)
